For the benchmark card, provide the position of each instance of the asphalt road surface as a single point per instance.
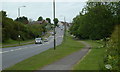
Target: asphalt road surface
(13, 55)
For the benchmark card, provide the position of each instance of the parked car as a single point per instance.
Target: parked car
(53, 33)
(38, 40)
(46, 40)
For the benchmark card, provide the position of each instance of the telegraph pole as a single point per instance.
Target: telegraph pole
(54, 23)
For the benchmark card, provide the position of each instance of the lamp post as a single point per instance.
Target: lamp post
(54, 23)
(19, 10)
(64, 26)
(18, 20)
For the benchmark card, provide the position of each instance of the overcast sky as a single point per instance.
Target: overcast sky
(35, 9)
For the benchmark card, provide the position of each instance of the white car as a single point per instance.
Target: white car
(38, 40)
(45, 40)
(53, 33)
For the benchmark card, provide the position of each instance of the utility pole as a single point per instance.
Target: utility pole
(65, 25)
(65, 29)
(54, 23)
(18, 26)
(18, 12)
(18, 20)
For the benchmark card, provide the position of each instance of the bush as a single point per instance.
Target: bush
(112, 56)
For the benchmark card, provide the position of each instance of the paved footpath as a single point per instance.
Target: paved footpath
(69, 61)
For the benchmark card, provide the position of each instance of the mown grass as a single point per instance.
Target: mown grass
(14, 43)
(47, 57)
(10, 41)
(94, 59)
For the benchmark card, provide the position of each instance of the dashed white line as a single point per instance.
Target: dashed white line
(30, 47)
(12, 50)
(0, 52)
(4, 51)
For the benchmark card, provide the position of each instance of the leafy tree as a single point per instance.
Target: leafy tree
(49, 20)
(3, 13)
(56, 21)
(95, 21)
(22, 19)
(11, 29)
(40, 18)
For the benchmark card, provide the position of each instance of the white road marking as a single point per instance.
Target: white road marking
(20, 48)
(12, 50)
(16, 49)
(5, 51)
(26, 47)
(38, 45)
(51, 40)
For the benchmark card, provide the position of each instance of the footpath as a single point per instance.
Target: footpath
(69, 61)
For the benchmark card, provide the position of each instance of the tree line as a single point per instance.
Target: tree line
(11, 29)
(101, 20)
(96, 20)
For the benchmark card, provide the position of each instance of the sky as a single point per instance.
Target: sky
(33, 10)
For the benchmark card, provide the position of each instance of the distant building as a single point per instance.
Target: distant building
(39, 22)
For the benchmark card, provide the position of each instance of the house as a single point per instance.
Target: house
(39, 22)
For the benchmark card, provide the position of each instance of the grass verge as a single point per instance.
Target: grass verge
(93, 60)
(14, 43)
(47, 57)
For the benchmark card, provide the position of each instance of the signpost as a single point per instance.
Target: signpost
(19, 39)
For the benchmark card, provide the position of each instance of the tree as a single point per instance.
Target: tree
(56, 21)
(22, 19)
(3, 13)
(40, 18)
(49, 20)
(95, 21)
(12, 28)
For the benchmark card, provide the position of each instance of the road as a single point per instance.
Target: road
(13, 55)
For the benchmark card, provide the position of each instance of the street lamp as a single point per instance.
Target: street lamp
(64, 26)
(19, 10)
(18, 20)
(54, 23)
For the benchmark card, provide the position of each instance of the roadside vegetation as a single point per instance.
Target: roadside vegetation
(27, 30)
(102, 57)
(94, 60)
(99, 21)
(96, 20)
(98, 24)
(112, 55)
(14, 43)
(47, 57)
